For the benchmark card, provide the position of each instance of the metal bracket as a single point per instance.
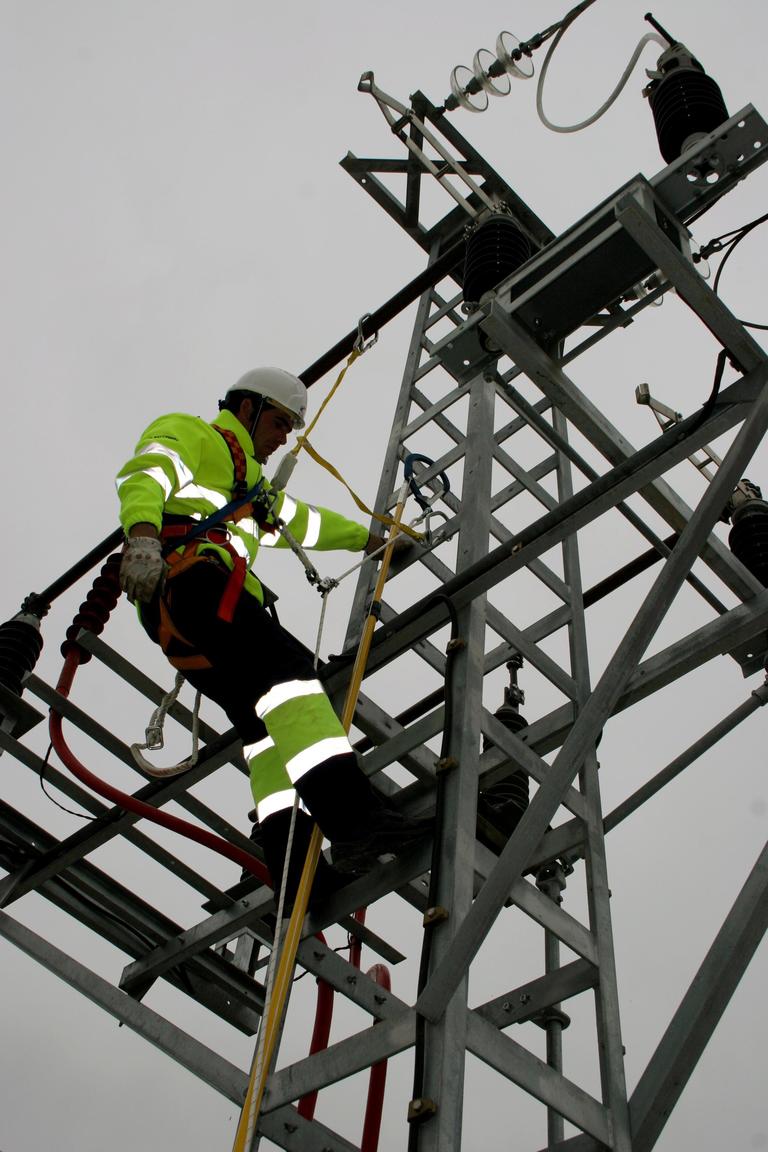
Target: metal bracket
(421, 1109)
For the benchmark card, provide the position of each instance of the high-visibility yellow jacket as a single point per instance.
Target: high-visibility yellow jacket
(183, 466)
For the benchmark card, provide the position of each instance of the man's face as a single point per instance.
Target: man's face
(272, 431)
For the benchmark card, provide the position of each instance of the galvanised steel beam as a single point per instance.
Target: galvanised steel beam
(630, 475)
(131, 924)
(709, 994)
(441, 1045)
(207, 1065)
(581, 739)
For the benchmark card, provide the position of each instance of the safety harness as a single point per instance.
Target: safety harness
(181, 652)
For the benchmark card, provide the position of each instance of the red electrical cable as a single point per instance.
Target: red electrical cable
(377, 1080)
(130, 803)
(319, 1042)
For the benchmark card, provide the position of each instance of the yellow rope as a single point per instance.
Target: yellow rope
(302, 441)
(246, 1128)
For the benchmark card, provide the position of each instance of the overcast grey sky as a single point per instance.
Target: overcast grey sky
(173, 213)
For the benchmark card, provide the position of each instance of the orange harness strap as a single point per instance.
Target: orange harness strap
(169, 637)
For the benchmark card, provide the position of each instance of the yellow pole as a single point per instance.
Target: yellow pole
(246, 1129)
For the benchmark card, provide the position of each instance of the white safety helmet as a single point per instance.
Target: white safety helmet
(278, 387)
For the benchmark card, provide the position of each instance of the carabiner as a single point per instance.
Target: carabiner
(425, 504)
(360, 345)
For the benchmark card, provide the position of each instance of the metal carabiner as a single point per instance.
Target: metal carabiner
(360, 345)
(427, 511)
(409, 474)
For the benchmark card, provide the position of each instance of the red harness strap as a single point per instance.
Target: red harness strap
(171, 640)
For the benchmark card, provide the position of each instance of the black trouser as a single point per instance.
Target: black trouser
(248, 657)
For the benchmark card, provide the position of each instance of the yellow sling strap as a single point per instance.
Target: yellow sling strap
(302, 441)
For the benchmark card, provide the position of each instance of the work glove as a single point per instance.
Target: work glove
(401, 546)
(142, 569)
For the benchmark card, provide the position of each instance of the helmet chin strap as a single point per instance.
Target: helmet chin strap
(256, 418)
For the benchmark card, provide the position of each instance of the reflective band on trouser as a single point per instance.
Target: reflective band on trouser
(316, 754)
(288, 690)
(269, 778)
(303, 725)
(277, 802)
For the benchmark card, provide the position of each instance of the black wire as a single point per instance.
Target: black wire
(737, 235)
(709, 403)
(744, 227)
(53, 800)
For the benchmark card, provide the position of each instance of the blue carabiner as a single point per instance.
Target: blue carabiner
(415, 458)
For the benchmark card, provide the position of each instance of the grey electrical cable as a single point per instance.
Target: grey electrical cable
(613, 96)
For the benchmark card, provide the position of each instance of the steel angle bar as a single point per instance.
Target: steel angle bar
(535, 656)
(756, 700)
(360, 989)
(406, 741)
(630, 475)
(552, 917)
(525, 477)
(537, 1078)
(428, 652)
(537, 567)
(114, 821)
(288, 1130)
(527, 1001)
(506, 495)
(612, 444)
(207, 1065)
(730, 332)
(219, 928)
(445, 310)
(716, 638)
(345, 1058)
(561, 444)
(580, 1143)
(433, 410)
(128, 922)
(590, 720)
(371, 939)
(439, 420)
(379, 726)
(88, 800)
(517, 751)
(692, 1025)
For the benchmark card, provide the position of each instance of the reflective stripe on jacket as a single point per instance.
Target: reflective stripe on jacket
(182, 466)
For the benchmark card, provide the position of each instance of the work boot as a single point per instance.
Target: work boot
(361, 824)
(274, 839)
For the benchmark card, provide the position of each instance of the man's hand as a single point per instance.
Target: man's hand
(373, 543)
(402, 544)
(142, 569)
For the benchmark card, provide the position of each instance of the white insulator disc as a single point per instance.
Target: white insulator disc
(473, 102)
(506, 44)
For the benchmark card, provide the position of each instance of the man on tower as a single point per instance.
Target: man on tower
(199, 599)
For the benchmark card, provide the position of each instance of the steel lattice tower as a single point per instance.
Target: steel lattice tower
(486, 397)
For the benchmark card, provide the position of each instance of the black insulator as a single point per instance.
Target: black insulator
(686, 104)
(495, 250)
(508, 798)
(97, 607)
(20, 646)
(748, 539)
